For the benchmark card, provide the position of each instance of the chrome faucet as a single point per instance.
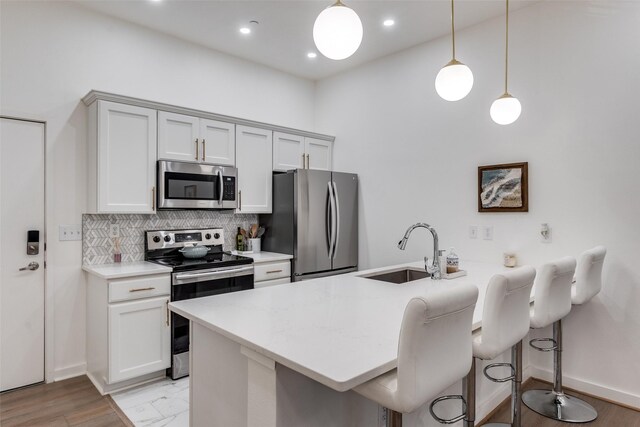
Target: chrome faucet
(434, 269)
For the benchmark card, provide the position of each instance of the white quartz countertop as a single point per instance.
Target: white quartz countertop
(340, 331)
(260, 257)
(126, 269)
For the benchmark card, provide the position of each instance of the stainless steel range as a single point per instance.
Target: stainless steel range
(215, 273)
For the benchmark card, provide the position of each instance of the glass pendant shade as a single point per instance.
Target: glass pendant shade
(505, 110)
(454, 81)
(337, 32)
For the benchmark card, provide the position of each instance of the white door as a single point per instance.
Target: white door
(126, 158)
(318, 154)
(255, 168)
(21, 275)
(177, 137)
(139, 336)
(288, 152)
(218, 142)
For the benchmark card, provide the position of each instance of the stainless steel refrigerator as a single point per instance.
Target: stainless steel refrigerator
(315, 219)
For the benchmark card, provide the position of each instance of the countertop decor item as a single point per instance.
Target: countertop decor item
(510, 259)
(503, 188)
(455, 80)
(506, 109)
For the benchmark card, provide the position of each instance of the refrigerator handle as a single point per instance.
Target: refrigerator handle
(336, 223)
(330, 220)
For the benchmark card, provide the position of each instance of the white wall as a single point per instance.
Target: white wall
(52, 54)
(574, 66)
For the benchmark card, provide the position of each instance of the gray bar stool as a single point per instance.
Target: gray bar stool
(434, 352)
(555, 403)
(505, 323)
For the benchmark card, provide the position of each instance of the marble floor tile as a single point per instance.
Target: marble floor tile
(163, 403)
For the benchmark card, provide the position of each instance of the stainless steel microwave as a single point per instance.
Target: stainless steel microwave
(184, 185)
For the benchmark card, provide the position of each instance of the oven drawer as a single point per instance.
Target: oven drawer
(139, 287)
(272, 270)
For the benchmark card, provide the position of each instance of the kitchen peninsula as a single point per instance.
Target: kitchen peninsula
(285, 355)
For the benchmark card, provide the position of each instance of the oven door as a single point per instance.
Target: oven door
(199, 283)
(196, 186)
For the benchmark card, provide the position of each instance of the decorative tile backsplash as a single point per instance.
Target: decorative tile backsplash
(98, 247)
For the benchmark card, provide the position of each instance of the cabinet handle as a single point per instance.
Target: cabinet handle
(303, 166)
(141, 289)
(308, 160)
(240, 199)
(203, 152)
(197, 155)
(274, 271)
(168, 312)
(153, 198)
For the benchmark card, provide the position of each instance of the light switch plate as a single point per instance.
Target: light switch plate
(70, 232)
(473, 232)
(487, 232)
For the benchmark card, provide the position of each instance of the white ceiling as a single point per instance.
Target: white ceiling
(283, 36)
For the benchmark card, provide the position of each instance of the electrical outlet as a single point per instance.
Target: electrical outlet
(545, 233)
(487, 232)
(70, 232)
(473, 232)
(114, 230)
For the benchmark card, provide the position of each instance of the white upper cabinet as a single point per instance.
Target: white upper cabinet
(254, 163)
(288, 152)
(122, 158)
(192, 139)
(298, 152)
(318, 154)
(218, 142)
(177, 137)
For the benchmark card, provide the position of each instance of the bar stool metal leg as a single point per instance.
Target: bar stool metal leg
(469, 390)
(554, 403)
(516, 389)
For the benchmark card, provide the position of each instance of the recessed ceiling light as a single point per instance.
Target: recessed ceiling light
(388, 22)
(312, 55)
(245, 30)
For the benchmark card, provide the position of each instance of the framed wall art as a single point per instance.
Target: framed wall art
(503, 188)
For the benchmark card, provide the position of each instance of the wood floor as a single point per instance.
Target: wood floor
(76, 402)
(72, 402)
(609, 414)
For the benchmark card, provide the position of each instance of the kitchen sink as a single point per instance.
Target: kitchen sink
(399, 276)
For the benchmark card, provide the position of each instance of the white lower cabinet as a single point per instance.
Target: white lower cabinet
(139, 338)
(128, 330)
(271, 273)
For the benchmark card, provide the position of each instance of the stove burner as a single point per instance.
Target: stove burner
(222, 259)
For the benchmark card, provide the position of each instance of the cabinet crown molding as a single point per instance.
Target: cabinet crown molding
(96, 95)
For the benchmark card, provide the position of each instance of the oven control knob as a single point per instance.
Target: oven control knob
(156, 239)
(167, 239)
(216, 236)
(207, 236)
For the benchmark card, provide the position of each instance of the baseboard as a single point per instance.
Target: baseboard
(606, 393)
(69, 372)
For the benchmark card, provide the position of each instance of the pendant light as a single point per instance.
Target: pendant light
(506, 109)
(455, 80)
(337, 31)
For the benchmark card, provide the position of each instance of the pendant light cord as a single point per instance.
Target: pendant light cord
(453, 33)
(506, 52)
